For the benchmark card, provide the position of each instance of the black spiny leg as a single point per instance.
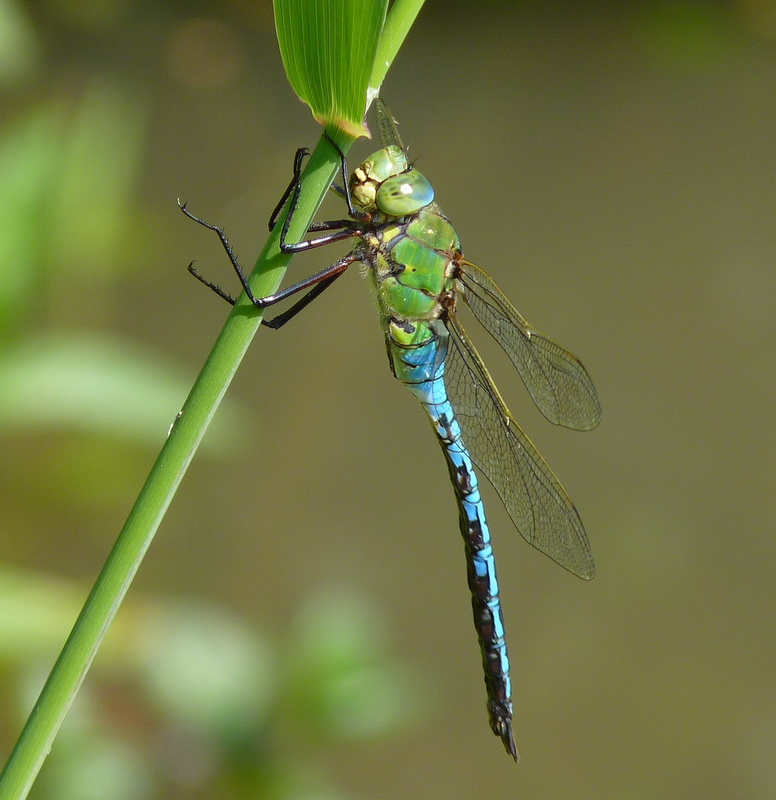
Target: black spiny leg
(319, 282)
(344, 190)
(341, 229)
(281, 319)
(232, 257)
(299, 158)
(214, 286)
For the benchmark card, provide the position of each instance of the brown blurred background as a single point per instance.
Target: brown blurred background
(613, 167)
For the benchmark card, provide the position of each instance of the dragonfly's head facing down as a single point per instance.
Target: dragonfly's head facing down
(386, 183)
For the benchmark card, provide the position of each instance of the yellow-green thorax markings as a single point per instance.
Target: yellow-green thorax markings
(412, 244)
(412, 255)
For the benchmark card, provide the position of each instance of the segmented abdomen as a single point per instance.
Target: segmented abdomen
(421, 368)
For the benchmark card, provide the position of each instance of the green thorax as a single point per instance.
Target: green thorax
(411, 245)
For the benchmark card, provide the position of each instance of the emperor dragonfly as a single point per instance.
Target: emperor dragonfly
(413, 256)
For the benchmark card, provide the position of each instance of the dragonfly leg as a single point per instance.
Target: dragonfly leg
(342, 228)
(325, 275)
(281, 319)
(292, 191)
(337, 189)
(299, 158)
(344, 190)
(232, 258)
(320, 281)
(213, 286)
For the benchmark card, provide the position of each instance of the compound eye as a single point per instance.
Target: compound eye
(404, 194)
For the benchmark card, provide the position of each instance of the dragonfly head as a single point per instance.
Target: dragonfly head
(386, 183)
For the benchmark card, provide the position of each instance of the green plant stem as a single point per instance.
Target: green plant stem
(397, 26)
(187, 431)
(185, 434)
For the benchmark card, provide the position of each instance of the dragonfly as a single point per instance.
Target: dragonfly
(412, 254)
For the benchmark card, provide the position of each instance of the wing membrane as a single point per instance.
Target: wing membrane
(533, 496)
(555, 378)
(386, 125)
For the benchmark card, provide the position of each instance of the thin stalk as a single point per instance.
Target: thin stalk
(397, 26)
(184, 437)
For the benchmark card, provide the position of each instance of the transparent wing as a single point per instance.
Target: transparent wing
(555, 378)
(533, 496)
(386, 125)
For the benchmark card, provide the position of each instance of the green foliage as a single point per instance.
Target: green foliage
(328, 49)
(20, 49)
(68, 172)
(75, 171)
(688, 37)
(68, 179)
(232, 699)
(93, 384)
(341, 680)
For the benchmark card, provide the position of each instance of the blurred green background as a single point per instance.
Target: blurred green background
(301, 627)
